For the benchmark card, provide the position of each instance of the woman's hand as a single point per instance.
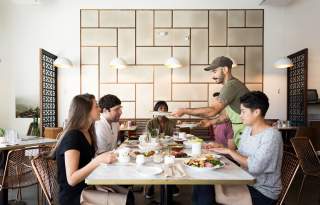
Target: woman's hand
(212, 145)
(107, 157)
(222, 150)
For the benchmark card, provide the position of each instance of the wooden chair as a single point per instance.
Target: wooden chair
(52, 132)
(18, 171)
(312, 133)
(308, 160)
(46, 173)
(289, 168)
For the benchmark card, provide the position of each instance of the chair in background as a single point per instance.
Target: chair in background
(52, 132)
(290, 166)
(313, 133)
(308, 160)
(18, 171)
(46, 173)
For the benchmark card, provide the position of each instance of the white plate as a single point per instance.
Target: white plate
(205, 168)
(148, 171)
(217, 156)
(179, 139)
(157, 113)
(189, 125)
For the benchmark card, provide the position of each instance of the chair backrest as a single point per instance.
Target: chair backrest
(52, 132)
(46, 173)
(18, 171)
(306, 154)
(289, 168)
(312, 133)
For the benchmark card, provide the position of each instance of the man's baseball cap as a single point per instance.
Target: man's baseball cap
(220, 61)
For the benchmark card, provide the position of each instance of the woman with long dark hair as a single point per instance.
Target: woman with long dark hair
(75, 149)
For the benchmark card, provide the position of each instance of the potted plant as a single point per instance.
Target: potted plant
(2, 135)
(34, 126)
(154, 132)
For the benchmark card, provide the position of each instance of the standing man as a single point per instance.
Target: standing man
(107, 128)
(229, 98)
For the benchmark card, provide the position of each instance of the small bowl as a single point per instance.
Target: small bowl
(177, 148)
(179, 141)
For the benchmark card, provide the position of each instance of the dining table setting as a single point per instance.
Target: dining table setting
(181, 159)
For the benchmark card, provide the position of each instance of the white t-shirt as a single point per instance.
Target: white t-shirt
(107, 135)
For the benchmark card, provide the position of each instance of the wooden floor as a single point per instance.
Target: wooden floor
(311, 194)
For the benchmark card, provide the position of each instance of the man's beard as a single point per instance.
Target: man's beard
(218, 80)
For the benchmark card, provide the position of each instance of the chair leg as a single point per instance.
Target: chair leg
(300, 192)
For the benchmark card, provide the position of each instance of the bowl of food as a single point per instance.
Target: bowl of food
(177, 148)
(204, 163)
(179, 140)
(146, 154)
(179, 154)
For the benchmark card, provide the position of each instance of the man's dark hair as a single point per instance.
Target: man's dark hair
(255, 100)
(159, 104)
(216, 94)
(109, 101)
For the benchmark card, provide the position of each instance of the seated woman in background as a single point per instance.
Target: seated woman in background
(164, 124)
(220, 132)
(167, 127)
(75, 150)
(260, 149)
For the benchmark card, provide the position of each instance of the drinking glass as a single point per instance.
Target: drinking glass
(12, 136)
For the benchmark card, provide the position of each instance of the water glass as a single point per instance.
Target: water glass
(12, 136)
(196, 148)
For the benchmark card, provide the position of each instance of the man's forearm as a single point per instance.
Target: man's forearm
(201, 112)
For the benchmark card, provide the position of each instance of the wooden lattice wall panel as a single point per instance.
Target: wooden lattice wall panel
(297, 89)
(48, 89)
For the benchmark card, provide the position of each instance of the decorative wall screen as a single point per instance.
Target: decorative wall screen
(145, 39)
(297, 88)
(48, 90)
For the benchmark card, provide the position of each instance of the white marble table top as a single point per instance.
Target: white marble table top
(127, 174)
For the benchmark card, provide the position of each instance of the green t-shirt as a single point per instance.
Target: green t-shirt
(168, 129)
(230, 94)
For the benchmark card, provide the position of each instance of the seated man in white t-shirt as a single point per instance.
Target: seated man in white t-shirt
(107, 128)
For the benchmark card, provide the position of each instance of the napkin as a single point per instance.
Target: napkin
(173, 170)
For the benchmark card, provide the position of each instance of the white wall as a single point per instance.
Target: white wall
(54, 25)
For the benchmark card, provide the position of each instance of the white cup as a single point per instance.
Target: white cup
(124, 154)
(154, 140)
(182, 135)
(196, 148)
(142, 138)
(169, 159)
(157, 158)
(140, 159)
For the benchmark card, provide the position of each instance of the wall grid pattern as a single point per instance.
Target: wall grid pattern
(146, 38)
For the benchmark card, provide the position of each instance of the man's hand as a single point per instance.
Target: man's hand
(205, 123)
(179, 112)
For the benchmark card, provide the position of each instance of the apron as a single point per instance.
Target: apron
(237, 125)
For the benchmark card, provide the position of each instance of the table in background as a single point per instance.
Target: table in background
(31, 142)
(130, 130)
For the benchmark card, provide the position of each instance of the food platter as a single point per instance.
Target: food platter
(204, 163)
